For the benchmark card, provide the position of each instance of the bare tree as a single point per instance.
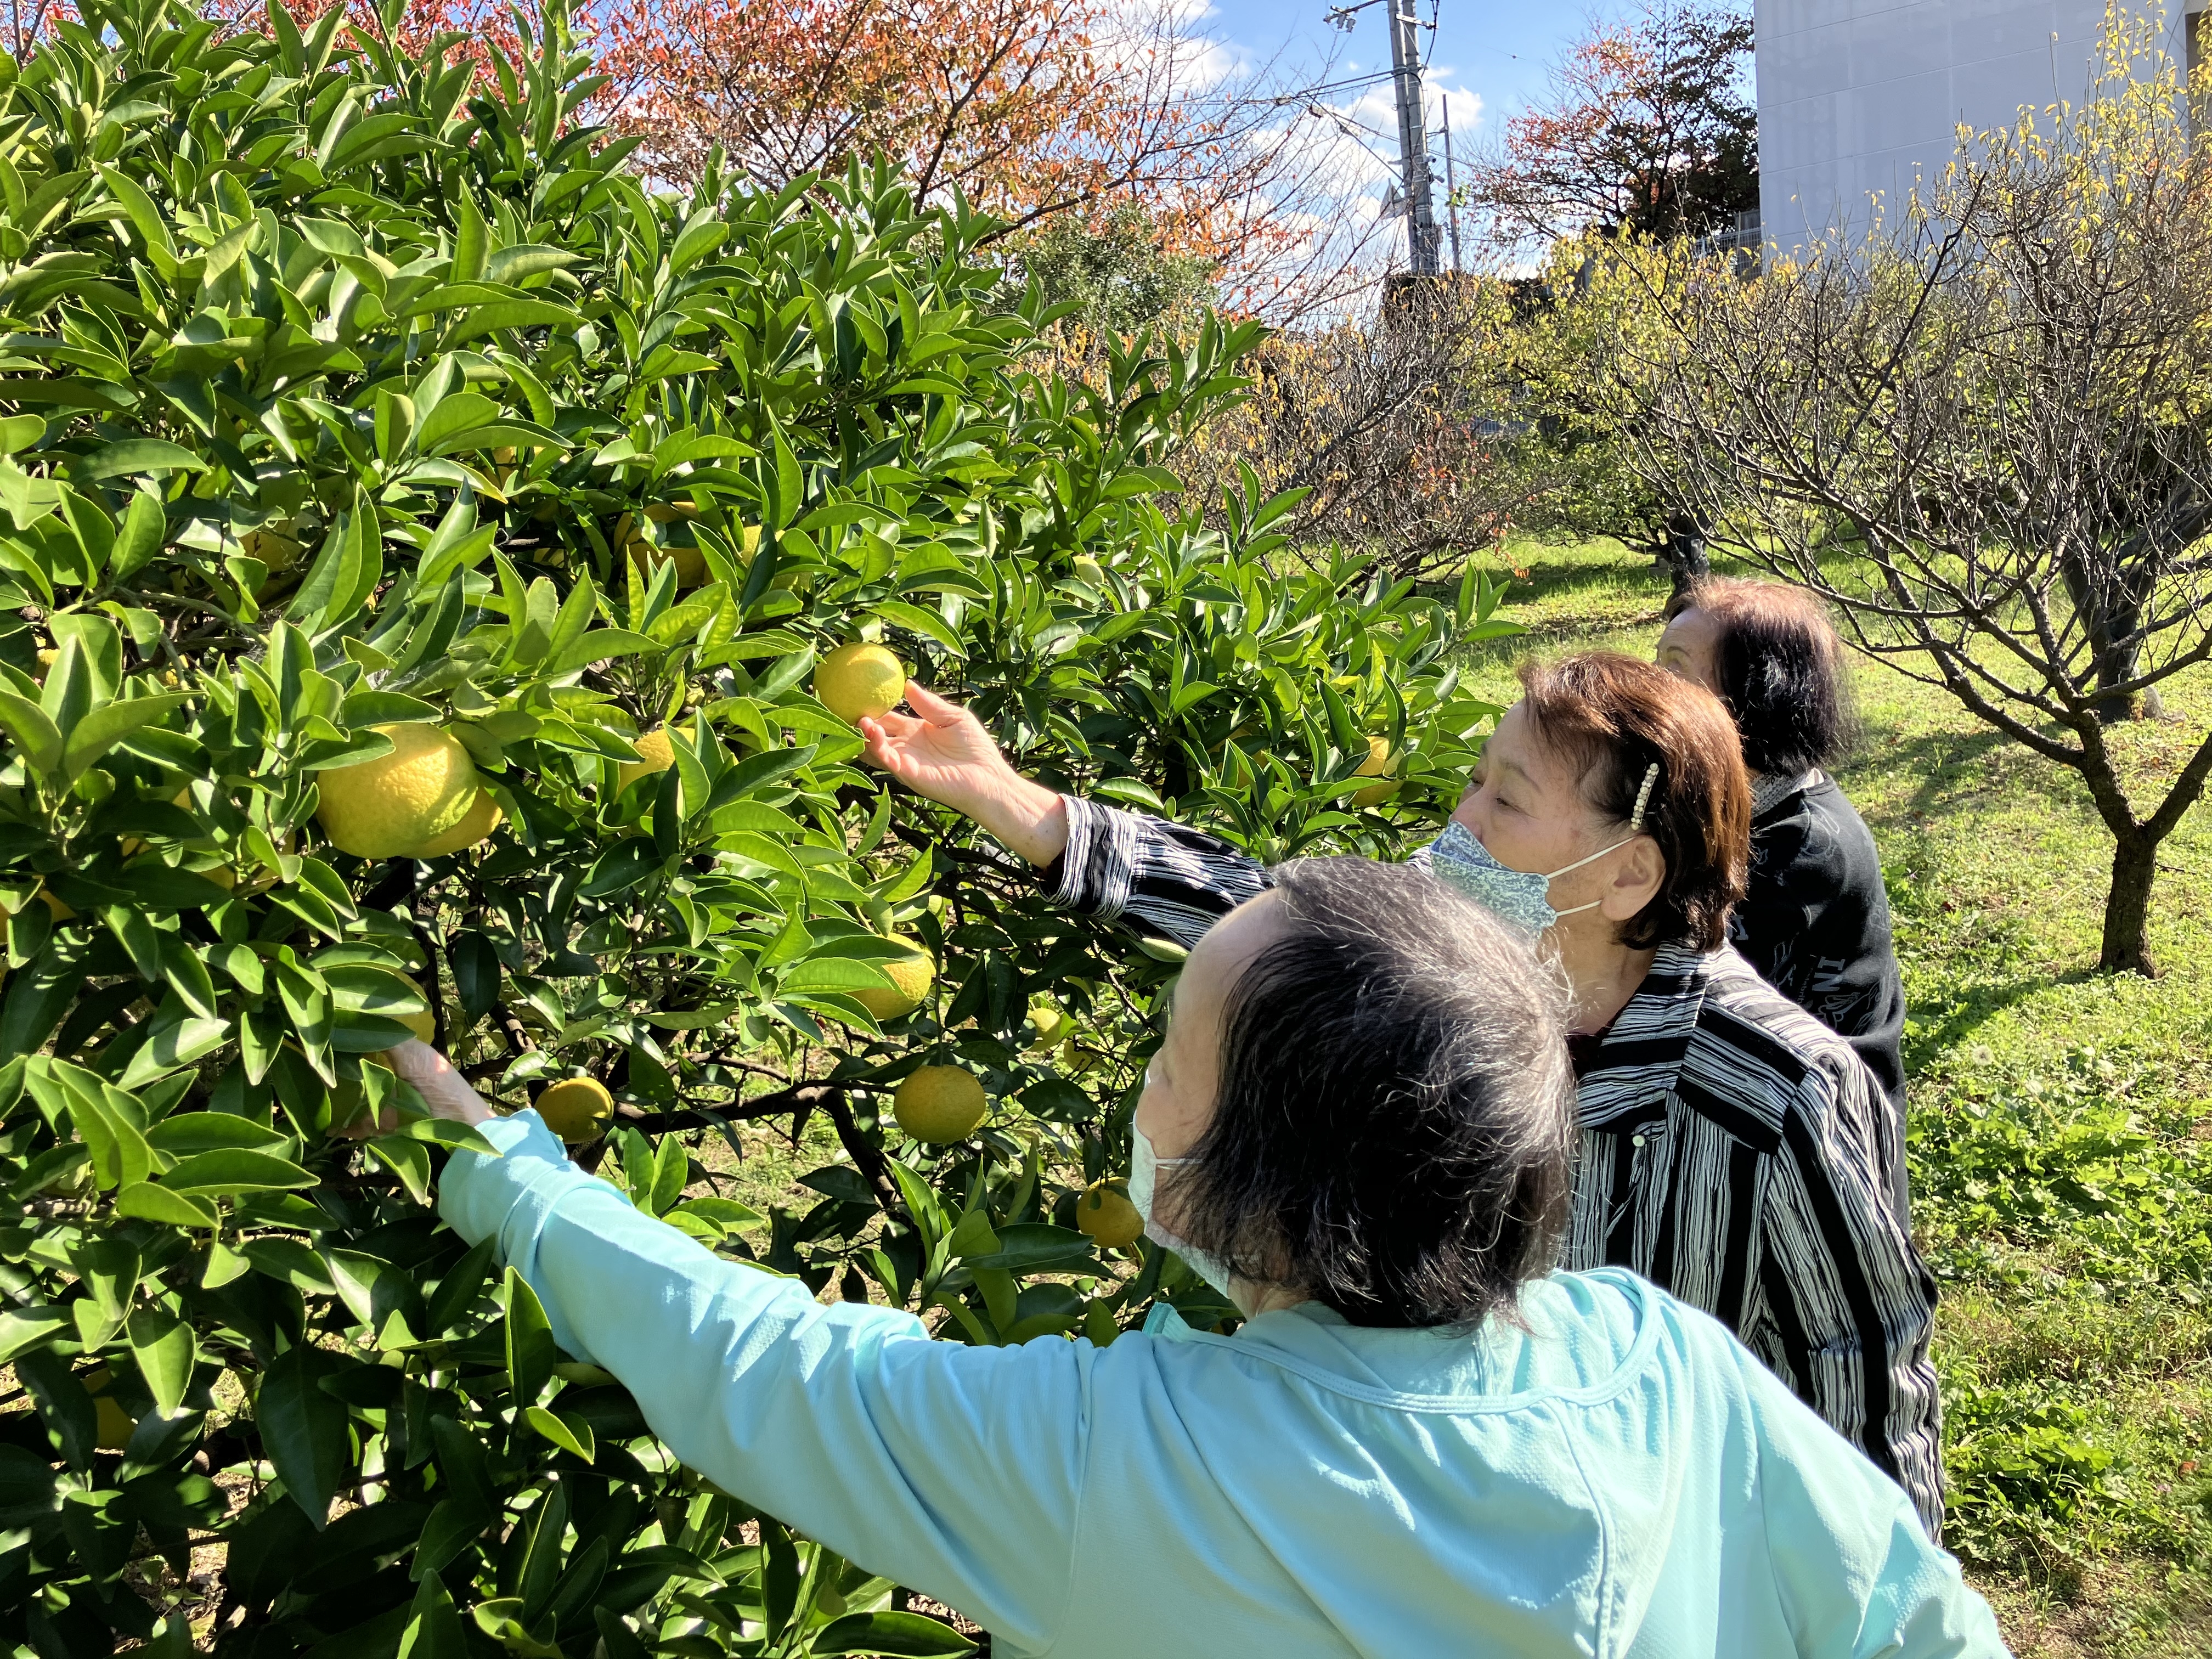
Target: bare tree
(1985, 434)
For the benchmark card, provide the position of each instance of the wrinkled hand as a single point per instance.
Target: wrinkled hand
(942, 751)
(445, 1089)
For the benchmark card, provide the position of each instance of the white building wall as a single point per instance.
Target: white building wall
(1859, 98)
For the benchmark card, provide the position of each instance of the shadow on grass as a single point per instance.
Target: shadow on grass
(1939, 759)
(1975, 1008)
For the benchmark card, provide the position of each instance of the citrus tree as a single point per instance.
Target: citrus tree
(434, 559)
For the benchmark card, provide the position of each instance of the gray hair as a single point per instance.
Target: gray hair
(1395, 1122)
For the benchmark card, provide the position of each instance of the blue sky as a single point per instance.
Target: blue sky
(1487, 55)
(1486, 58)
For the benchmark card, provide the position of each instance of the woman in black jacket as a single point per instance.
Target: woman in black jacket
(1815, 920)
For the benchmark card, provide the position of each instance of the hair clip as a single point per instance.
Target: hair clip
(1644, 796)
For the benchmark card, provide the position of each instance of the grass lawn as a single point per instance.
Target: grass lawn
(2062, 1135)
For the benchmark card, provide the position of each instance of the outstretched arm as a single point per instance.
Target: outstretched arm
(1165, 879)
(952, 1469)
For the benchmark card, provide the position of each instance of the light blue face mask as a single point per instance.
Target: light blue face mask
(1144, 1166)
(1519, 896)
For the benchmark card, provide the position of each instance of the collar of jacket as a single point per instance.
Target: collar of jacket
(1770, 789)
(1633, 1070)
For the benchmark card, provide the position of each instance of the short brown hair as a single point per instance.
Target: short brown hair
(1613, 717)
(1781, 671)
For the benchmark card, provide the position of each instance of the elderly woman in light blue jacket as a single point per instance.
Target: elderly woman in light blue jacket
(1421, 1440)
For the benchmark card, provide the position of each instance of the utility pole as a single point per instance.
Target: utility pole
(1451, 189)
(1413, 137)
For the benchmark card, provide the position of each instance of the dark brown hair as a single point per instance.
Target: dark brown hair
(1614, 717)
(1395, 1117)
(1781, 671)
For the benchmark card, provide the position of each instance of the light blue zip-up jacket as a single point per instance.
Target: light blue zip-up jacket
(1620, 1477)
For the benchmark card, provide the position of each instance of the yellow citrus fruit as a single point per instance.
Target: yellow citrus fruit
(1079, 1059)
(56, 907)
(654, 756)
(423, 1024)
(644, 552)
(1105, 1212)
(858, 681)
(483, 817)
(1089, 570)
(941, 1102)
(577, 1109)
(1049, 1020)
(402, 801)
(112, 1425)
(912, 974)
(275, 544)
(1380, 764)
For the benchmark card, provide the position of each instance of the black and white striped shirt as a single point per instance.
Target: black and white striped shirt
(1734, 1150)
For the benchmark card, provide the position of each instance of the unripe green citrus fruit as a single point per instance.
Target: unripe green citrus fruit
(939, 1103)
(1049, 1021)
(1105, 1212)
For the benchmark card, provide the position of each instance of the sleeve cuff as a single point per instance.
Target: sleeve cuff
(477, 1194)
(1093, 875)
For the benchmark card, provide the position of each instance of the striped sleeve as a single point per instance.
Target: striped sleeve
(1844, 1306)
(1162, 878)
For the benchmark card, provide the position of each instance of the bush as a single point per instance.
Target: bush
(351, 394)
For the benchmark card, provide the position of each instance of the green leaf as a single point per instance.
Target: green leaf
(164, 1347)
(236, 1170)
(32, 732)
(205, 1132)
(890, 1633)
(973, 1237)
(835, 974)
(1035, 1246)
(100, 730)
(173, 1046)
(22, 1329)
(144, 526)
(303, 1430)
(434, 1630)
(385, 708)
(599, 646)
(570, 1433)
(148, 1202)
(530, 1350)
(146, 219)
(130, 456)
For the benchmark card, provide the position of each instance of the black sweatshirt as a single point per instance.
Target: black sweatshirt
(1816, 922)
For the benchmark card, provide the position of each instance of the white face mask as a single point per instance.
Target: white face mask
(1143, 1166)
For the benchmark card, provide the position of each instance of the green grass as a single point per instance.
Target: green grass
(2062, 1134)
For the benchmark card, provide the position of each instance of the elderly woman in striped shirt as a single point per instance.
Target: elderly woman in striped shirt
(1732, 1149)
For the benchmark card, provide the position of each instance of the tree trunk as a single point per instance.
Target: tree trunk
(2127, 907)
(2109, 602)
(1683, 550)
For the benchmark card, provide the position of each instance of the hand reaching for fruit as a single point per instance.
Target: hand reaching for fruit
(942, 751)
(443, 1089)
